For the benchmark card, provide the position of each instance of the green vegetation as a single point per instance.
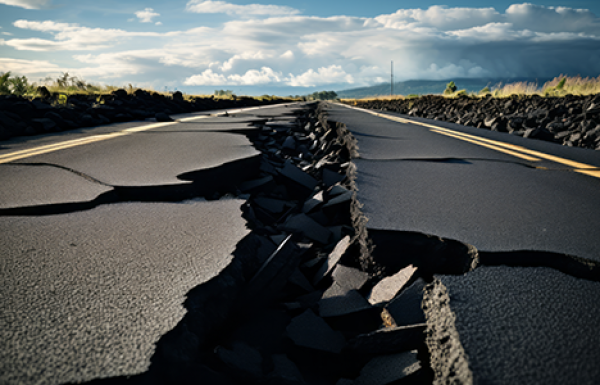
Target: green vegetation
(485, 91)
(64, 85)
(322, 95)
(225, 93)
(450, 88)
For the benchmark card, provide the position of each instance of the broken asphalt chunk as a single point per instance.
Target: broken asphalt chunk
(389, 287)
(254, 184)
(337, 190)
(243, 360)
(298, 279)
(388, 369)
(332, 260)
(349, 277)
(285, 372)
(274, 206)
(310, 331)
(387, 340)
(301, 223)
(342, 198)
(338, 301)
(330, 177)
(406, 308)
(293, 173)
(313, 202)
(272, 276)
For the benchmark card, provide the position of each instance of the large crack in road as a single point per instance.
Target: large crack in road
(311, 295)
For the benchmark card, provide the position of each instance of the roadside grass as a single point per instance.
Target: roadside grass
(65, 85)
(558, 87)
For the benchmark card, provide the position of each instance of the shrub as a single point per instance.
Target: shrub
(450, 88)
(4, 84)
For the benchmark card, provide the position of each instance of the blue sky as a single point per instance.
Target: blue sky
(297, 47)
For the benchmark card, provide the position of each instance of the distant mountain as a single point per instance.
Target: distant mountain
(426, 87)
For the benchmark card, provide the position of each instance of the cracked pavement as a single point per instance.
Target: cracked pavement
(88, 289)
(434, 184)
(509, 318)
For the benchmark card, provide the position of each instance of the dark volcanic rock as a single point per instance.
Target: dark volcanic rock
(16, 113)
(528, 116)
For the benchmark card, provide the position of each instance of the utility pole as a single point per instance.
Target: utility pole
(392, 83)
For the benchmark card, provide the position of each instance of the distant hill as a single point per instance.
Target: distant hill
(426, 87)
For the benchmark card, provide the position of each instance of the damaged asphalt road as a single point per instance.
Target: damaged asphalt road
(101, 242)
(276, 246)
(413, 179)
(514, 301)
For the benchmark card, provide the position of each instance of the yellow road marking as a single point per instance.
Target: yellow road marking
(21, 154)
(6, 158)
(507, 148)
(509, 152)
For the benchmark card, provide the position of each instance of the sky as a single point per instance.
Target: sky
(294, 48)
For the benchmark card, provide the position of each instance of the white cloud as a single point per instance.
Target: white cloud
(27, 4)
(439, 17)
(251, 78)
(73, 37)
(200, 6)
(7, 33)
(146, 15)
(254, 77)
(324, 75)
(29, 67)
(206, 78)
(158, 23)
(435, 43)
(287, 55)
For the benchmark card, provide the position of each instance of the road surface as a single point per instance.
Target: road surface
(99, 246)
(530, 317)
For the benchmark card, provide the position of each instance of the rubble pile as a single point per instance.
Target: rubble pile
(571, 120)
(22, 117)
(303, 302)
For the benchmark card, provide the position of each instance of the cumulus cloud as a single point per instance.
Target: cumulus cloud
(285, 48)
(251, 78)
(29, 67)
(146, 15)
(200, 6)
(206, 78)
(73, 37)
(27, 4)
(324, 75)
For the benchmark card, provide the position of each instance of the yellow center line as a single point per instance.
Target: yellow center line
(6, 158)
(16, 155)
(507, 148)
(509, 152)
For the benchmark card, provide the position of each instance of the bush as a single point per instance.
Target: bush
(485, 91)
(4, 84)
(450, 88)
(323, 95)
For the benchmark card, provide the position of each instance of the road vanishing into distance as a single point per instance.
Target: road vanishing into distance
(526, 205)
(492, 190)
(102, 239)
(103, 234)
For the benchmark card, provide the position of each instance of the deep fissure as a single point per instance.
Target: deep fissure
(253, 322)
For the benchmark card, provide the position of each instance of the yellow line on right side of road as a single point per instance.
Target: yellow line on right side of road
(578, 167)
(492, 147)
